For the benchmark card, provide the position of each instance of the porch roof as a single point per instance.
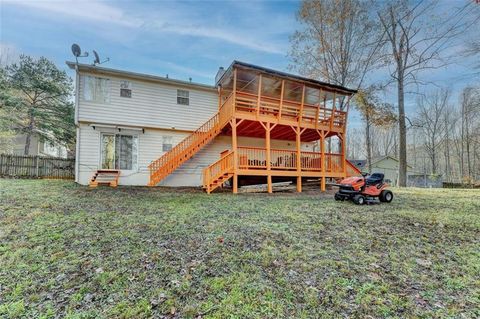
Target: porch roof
(285, 75)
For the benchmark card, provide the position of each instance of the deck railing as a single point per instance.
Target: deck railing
(217, 169)
(291, 110)
(282, 159)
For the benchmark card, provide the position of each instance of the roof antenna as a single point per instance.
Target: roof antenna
(77, 52)
(97, 59)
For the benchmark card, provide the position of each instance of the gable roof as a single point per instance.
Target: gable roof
(137, 76)
(360, 164)
(380, 159)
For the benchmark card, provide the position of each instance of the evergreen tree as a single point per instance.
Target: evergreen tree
(38, 99)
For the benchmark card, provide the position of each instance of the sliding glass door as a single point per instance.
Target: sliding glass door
(119, 151)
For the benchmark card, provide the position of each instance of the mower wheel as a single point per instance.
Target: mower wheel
(338, 197)
(359, 199)
(386, 196)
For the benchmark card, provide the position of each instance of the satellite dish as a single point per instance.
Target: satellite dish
(76, 50)
(97, 58)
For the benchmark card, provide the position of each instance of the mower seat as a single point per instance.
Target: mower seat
(374, 179)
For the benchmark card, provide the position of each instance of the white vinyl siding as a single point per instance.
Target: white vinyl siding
(152, 105)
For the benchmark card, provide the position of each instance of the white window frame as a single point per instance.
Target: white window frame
(126, 85)
(163, 142)
(181, 95)
(95, 97)
(136, 167)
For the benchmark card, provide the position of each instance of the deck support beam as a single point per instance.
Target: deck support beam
(233, 124)
(344, 163)
(267, 146)
(300, 118)
(322, 161)
(268, 128)
(298, 141)
(281, 100)
(259, 94)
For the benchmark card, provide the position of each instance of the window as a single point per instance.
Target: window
(126, 89)
(167, 143)
(119, 151)
(183, 97)
(96, 89)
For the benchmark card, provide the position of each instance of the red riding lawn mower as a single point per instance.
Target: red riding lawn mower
(364, 190)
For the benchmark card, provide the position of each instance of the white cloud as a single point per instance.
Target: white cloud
(221, 34)
(175, 20)
(88, 10)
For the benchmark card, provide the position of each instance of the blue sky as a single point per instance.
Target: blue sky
(182, 39)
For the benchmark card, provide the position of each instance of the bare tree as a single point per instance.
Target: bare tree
(416, 43)
(338, 43)
(470, 108)
(374, 113)
(431, 121)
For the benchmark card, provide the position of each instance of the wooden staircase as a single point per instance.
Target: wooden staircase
(219, 172)
(106, 177)
(182, 152)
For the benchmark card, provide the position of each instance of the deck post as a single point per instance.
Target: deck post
(299, 161)
(344, 162)
(301, 106)
(268, 157)
(233, 123)
(281, 100)
(317, 112)
(259, 93)
(323, 161)
(219, 97)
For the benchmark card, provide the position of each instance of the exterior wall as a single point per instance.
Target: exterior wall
(37, 147)
(389, 167)
(19, 145)
(150, 148)
(152, 105)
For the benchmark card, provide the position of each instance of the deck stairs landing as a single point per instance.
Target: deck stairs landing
(105, 177)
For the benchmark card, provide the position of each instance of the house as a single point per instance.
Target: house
(387, 165)
(253, 123)
(38, 146)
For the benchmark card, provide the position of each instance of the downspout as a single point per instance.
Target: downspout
(77, 144)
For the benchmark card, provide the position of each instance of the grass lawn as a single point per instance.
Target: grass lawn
(69, 251)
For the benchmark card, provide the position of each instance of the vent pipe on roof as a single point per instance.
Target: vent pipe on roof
(220, 73)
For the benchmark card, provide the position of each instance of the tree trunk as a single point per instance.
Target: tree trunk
(27, 144)
(402, 130)
(28, 139)
(368, 144)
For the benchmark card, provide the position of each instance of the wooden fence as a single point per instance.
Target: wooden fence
(36, 167)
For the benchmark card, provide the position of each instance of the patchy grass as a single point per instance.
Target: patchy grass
(68, 251)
